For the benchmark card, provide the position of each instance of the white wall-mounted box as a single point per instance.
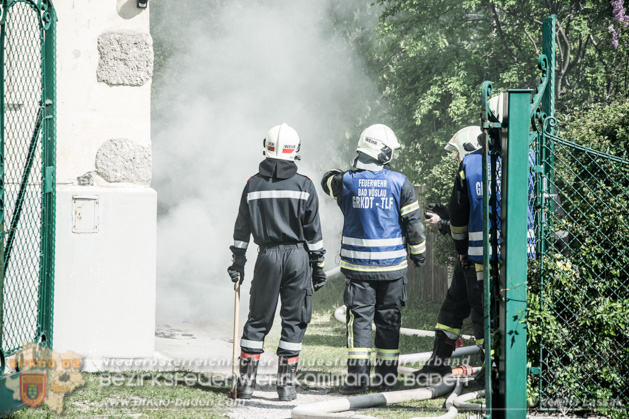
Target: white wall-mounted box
(85, 214)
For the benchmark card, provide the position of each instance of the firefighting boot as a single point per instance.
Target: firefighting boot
(357, 380)
(385, 376)
(478, 380)
(248, 372)
(439, 363)
(286, 368)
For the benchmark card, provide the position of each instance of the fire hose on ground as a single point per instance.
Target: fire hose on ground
(454, 402)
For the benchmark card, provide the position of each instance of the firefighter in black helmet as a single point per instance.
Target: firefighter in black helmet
(280, 209)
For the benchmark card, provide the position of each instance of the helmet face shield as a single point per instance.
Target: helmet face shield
(282, 142)
(378, 141)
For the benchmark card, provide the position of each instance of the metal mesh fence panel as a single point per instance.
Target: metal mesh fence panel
(580, 281)
(22, 152)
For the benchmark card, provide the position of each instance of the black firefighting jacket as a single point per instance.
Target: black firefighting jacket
(279, 206)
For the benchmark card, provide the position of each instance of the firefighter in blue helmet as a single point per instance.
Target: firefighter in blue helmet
(465, 294)
(280, 209)
(381, 221)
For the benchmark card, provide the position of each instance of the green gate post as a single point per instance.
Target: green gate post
(47, 260)
(545, 152)
(487, 89)
(510, 402)
(548, 49)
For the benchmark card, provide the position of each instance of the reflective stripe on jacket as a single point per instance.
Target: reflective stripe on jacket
(373, 243)
(279, 207)
(466, 206)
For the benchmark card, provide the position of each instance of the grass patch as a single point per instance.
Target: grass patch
(154, 394)
(416, 314)
(162, 395)
(325, 338)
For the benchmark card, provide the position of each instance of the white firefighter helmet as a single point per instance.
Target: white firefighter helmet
(495, 104)
(378, 141)
(282, 142)
(465, 141)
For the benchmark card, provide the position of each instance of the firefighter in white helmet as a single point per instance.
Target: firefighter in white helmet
(465, 141)
(495, 107)
(465, 294)
(382, 222)
(280, 209)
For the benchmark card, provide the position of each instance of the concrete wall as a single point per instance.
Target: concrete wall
(105, 281)
(106, 210)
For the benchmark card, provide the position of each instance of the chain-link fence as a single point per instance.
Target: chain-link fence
(27, 169)
(579, 284)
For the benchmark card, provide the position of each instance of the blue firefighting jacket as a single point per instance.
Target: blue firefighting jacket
(381, 217)
(466, 207)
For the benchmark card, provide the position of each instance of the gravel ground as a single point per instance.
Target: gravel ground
(265, 404)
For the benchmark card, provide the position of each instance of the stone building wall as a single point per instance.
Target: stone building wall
(106, 209)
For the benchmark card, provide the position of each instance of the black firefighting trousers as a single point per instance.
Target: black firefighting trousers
(380, 302)
(281, 272)
(464, 297)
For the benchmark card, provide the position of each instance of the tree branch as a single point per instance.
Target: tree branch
(386, 61)
(600, 56)
(567, 43)
(501, 34)
(574, 62)
(530, 19)
(581, 60)
(532, 41)
(566, 60)
(558, 44)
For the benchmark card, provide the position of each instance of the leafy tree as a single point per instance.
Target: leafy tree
(435, 57)
(431, 65)
(437, 54)
(604, 127)
(438, 188)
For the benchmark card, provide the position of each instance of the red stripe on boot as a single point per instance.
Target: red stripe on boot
(245, 355)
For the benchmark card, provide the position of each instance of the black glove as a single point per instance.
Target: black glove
(329, 177)
(318, 277)
(419, 260)
(439, 209)
(466, 263)
(237, 269)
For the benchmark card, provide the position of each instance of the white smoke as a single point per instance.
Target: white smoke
(268, 62)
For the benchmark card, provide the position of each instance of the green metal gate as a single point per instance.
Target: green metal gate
(27, 169)
(582, 279)
(571, 306)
